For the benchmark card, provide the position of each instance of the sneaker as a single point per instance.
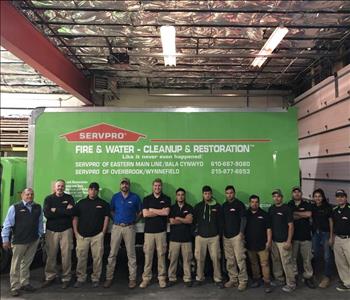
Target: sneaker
(171, 283)
(277, 283)
(310, 282)
(198, 282)
(108, 283)
(288, 288)
(231, 284)
(220, 284)
(78, 284)
(14, 293)
(342, 288)
(47, 283)
(95, 284)
(28, 288)
(65, 284)
(144, 284)
(325, 283)
(188, 283)
(267, 287)
(132, 284)
(255, 284)
(242, 286)
(162, 284)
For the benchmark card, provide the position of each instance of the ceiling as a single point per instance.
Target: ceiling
(216, 41)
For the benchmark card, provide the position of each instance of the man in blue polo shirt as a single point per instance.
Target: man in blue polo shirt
(126, 211)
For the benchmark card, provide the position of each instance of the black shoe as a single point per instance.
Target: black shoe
(342, 288)
(171, 283)
(28, 288)
(267, 287)
(220, 284)
(47, 283)
(14, 293)
(310, 283)
(188, 284)
(255, 284)
(65, 284)
(198, 283)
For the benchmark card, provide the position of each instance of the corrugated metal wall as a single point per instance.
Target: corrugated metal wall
(324, 135)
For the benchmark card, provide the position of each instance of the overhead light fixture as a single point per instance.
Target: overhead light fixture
(270, 45)
(167, 34)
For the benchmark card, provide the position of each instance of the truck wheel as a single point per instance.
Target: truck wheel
(5, 258)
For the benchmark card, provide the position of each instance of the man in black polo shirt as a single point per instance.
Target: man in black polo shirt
(156, 208)
(90, 224)
(258, 236)
(207, 223)
(282, 233)
(58, 211)
(234, 222)
(341, 220)
(181, 217)
(302, 212)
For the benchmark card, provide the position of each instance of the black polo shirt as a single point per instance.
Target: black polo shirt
(207, 219)
(159, 223)
(302, 227)
(181, 233)
(91, 214)
(233, 212)
(320, 217)
(280, 216)
(256, 230)
(341, 220)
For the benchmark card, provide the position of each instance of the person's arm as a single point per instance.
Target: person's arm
(139, 210)
(269, 238)
(163, 212)
(68, 210)
(147, 213)
(331, 232)
(288, 243)
(6, 230)
(105, 225)
(302, 215)
(49, 211)
(174, 221)
(186, 220)
(41, 224)
(75, 226)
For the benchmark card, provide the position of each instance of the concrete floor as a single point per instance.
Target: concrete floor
(119, 289)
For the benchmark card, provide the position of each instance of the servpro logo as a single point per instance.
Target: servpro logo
(103, 133)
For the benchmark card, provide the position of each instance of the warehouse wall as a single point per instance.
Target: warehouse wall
(256, 99)
(324, 135)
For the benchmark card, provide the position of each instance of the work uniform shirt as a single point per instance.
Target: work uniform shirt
(91, 214)
(159, 223)
(181, 233)
(233, 212)
(302, 227)
(320, 217)
(256, 229)
(207, 219)
(61, 219)
(341, 220)
(280, 216)
(125, 209)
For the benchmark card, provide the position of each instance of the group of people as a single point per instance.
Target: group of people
(283, 232)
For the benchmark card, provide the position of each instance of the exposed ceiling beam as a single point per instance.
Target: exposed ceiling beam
(23, 40)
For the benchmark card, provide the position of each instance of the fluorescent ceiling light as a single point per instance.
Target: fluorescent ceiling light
(270, 45)
(167, 34)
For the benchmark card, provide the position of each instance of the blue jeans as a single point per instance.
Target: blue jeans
(320, 242)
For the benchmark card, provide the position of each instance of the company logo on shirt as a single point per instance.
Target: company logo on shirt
(232, 209)
(98, 206)
(162, 201)
(344, 218)
(64, 202)
(279, 213)
(22, 210)
(214, 209)
(260, 217)
(186, 211)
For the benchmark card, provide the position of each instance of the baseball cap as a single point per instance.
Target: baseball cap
(296, 188)
(94, 185)
(277, 191)
(340, 193)
(125, 180)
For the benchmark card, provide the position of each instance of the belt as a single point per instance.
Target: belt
(343, 236)
(124, 224)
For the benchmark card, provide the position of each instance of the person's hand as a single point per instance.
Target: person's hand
(6, 245)
(287, 245)
(268, 245)
(53, 209)
(69, 206)
(331, 242)
(241, 236)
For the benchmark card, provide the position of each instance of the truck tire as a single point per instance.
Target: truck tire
(5, 259)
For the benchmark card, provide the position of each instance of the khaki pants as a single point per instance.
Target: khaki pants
(22, 258)
(128, 234)
(342, 259)
(64, 241)
(154, 241)
(200, 253)
(282, 262)
(305, 248)
(235, 259)
(97, 248)
(174, 252)
(263, 257)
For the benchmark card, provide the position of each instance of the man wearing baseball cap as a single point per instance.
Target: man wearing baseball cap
(341, 220)
(281, 252)
(302, 212)
(126, 211)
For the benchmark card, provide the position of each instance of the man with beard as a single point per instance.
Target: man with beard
(126, 211)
